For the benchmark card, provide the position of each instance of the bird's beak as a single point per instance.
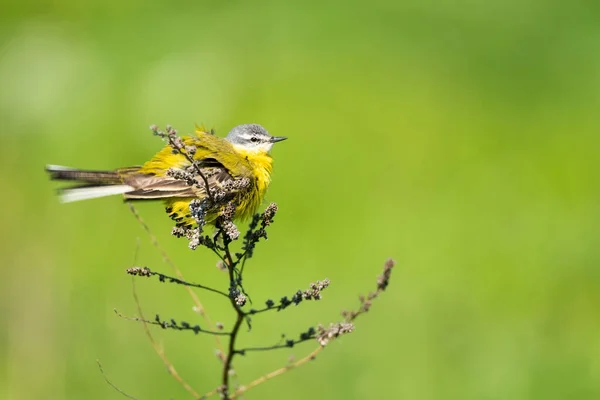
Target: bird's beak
(275, 139)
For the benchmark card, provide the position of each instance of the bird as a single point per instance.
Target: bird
(236, 170)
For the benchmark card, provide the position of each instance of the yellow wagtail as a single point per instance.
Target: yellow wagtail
(237, 170)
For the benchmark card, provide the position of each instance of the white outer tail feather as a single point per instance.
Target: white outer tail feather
(86, 193)
(52, 167)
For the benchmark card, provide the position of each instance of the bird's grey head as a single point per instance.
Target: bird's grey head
(252, 137)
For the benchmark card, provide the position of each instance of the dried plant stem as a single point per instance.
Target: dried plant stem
(184, 326)
(112, 384)
(227, 232)
(145, 271)
(276, 373)
(227, 365)
(193, 162)
(199, 308)
(231, 350)
(159, 350)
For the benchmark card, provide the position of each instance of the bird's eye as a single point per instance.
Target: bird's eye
(254, 139)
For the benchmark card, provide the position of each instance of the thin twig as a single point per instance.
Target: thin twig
(275, 373)
(236, 326)
(209, 394)
(383, 281)
(199, 308)
(253, 312)
(145, 271)
(286, 345)
(310, 334)
(112, 384)
(183, 326)
(159, 350)
(313, 293)
(171, 134)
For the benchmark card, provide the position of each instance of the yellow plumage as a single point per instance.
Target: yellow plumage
(237, 170)
(257, 167)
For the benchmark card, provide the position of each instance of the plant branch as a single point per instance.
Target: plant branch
(112, 384)
(312, 293)
(178, 144)
(288, 344)
(145, 271)
(227, 365)
(276, 373)
(182, 326)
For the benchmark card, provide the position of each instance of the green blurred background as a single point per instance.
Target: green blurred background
(460, 138)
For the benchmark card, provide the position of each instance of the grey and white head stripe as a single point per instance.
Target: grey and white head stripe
(252, 137)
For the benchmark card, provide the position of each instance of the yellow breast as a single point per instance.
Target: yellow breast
(261, 165)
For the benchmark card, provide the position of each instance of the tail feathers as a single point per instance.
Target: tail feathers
(61, 173)
(93, 184)
(92, 192)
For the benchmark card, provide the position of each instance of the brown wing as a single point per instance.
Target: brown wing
(188, 184)
(149, 187)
